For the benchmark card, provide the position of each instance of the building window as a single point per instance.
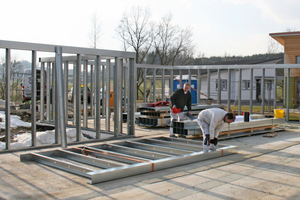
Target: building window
(298, 59)
(223, 85)
(269, 85)
(246, 84)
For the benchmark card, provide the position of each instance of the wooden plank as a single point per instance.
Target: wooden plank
(272, 134)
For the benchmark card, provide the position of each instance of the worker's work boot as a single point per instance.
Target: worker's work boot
(205, 148)
(212, 147)
(171, 132)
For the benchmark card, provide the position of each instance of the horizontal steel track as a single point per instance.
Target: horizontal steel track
(110, 161)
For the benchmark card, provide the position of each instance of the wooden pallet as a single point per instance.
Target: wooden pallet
(270, 127)
(242, 131)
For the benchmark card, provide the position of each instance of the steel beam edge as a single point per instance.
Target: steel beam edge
(140, 168)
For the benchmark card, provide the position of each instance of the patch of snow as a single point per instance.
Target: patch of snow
(15, 121)
(42, 138)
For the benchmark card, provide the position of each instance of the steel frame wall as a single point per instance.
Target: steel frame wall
(57, 112)
(101, 62)
(200, 69)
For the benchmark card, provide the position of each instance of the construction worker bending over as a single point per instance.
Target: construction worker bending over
(211, 121)
(179, 99)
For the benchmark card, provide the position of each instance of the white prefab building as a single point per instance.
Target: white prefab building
(209, 88)
(245, 84)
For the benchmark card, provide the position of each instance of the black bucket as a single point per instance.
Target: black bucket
(246, 116)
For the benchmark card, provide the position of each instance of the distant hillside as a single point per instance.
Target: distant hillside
(218, 59)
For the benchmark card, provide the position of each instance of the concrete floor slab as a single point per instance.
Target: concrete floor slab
(264, 168)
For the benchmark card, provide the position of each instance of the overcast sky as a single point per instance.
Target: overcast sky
(237, 27)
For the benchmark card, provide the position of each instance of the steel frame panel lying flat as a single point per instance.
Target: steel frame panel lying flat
(111, 161)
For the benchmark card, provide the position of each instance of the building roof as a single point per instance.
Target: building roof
(279, 37)
(251, 62)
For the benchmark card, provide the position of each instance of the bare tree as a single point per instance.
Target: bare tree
(95, 33)
(163, 43)
(173, 45)
(274, 46)
(16, 69)
(136, 31)
(290, 29)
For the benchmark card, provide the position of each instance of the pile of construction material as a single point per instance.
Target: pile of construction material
(160, 116)
(257, 123)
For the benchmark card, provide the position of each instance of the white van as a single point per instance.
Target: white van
(26, 85)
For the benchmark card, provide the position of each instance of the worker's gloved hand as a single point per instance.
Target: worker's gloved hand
(214, 141)
(206, 141)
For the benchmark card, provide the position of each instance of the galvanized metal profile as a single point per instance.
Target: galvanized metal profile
(190, 79)
(240, 92)
(60, 109)
(151, 147)
(103, 71)
(126, 89)
(162, 85)
(91, 160)
(131, 99)
(66, 49)
(263, 91)
(77, 98)
(33, 100)
(145, 84)
(63, 165)
(189, 147)
(180, 79)
(287, 100)
(121, 93)
(115, 156)
(229, 90)
(84, 94)
(42, 91)
(171, 82)
(275, 89)
(54, 100)
(48, 92)
(116, 97)
(97, 103)
(215, 67)
(7, 96)
(135, 152)
(219, 87)
(66, 84)
(198, 85)
(112, 161)
(110, 174)
(93, 92)
(251, 91)
(74, 92)
(208, 84)
(154, 85)
(107, 95)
